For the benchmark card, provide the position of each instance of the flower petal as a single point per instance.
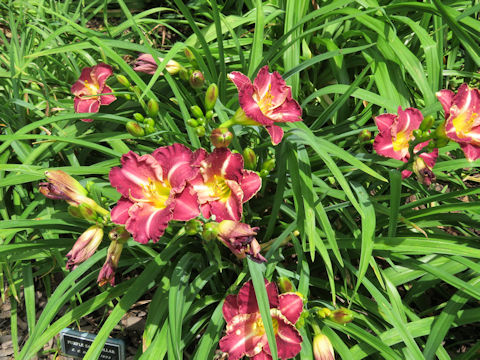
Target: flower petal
(262, 356)
(107, 99)
(272, 83)
(147, 222)
(276, 133)
(445, 97)
(230, 307)
(291, 306)
(247, 301)
(186, 205)
(176, 161)
(385, 122)
(408, 120)
(472, 152)
(231, 209)
(288, 338)
(101, 72)
(240, 80)
(251, 183)
(78, 88)
(383, 145)
(86, 105)
(119, 214)
(288, 111)
(466, 99)
(135, 174)
(430, 158)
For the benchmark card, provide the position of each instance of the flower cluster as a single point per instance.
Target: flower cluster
(174, 183)
(245, 329)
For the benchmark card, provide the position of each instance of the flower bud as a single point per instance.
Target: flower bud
(189, 55)
(201, 121)
(172, 67)
(184, 74)
(138, 117)
(107, 273)
(197, 79)
(209, 115)
(152, 108)
(210, 231)
(249, 159)
(221, 137)
(418, 134)
(341, 316)
(119, 233)
(127, 96)
(324, 312)
(427, 123)
(61, 186)
(134, 129)
(200, 131)
(322, 348)
(85, 246)
(196, 111)
(268, 165)
(365, 135)
(441, 136)
(264, 173)
(74, 211)
(87, 213)
(193, 227)
(192, 122)
(211, 96)
(285, 285)
(123, 80)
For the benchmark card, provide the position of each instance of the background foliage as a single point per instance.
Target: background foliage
(403, 256)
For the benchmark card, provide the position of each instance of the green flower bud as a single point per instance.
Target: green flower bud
(119, 233)
(209, 115)
(201, 121)
(249, 159)
(74, 211)
(365, 135)
(192, 123)
(184, 74)
(341, 315)
(127, 96)
(211, 96)
(427, 123)
(324, 312)
(210, 231)
(87, 212)
(123, 80)
(193, 227)
(149, 125)
(264, 173)
(221, 137)
(152, 108)
(134, 129)
(200, 131)
(197, 80)
(417, 133)
(149, 121)
(189, 55)
(138, 117)
(269, 165)
(196, 111)
(285, 285)
(441, 136)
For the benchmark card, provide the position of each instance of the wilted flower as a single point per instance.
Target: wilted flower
(463, 120)
(223, 185)
(85, 246)
(147, 64)
(240, 239)
(265, 102)
(322, 348)
(154, 190)
(395, 133)
(424, 173)
(61, 186)
(107, 273)
(245, 329)
(90, 87)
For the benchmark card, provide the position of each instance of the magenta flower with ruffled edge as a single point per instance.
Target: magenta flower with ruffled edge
(223, 185)
(462, 111)
(395, 132)
(154, 190)
(265, 102)
(240, 239)
(90, 87)
(245, 330)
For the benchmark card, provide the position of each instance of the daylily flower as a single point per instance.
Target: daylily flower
(223, 185)
(395, 133)
(90, 87)
(147, 64)
(245, 329)
(265, 102)
(61, 186)
(85, 246)
(240, 239)
(424, 172)
(462, 111)
(322, 348)
(154, 190)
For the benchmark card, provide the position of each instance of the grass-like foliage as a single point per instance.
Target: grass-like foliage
(323, 211)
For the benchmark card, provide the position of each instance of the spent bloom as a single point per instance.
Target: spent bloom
(61, 186)
(395, 133)
(322, 348)
(154, 190)
(245, 329)
(147, 64)
(107, 274)
(85, 246)
(240, 239)
(265, 102)
(223, 185)
(90, 87)
(462, 114)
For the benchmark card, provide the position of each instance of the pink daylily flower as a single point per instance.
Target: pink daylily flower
(90, 87)
(267, 101)
(245, 330)
(223, 185)
(155, 190)
(395, 132)
(147, 64)
(462, 114)
(240, 239)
